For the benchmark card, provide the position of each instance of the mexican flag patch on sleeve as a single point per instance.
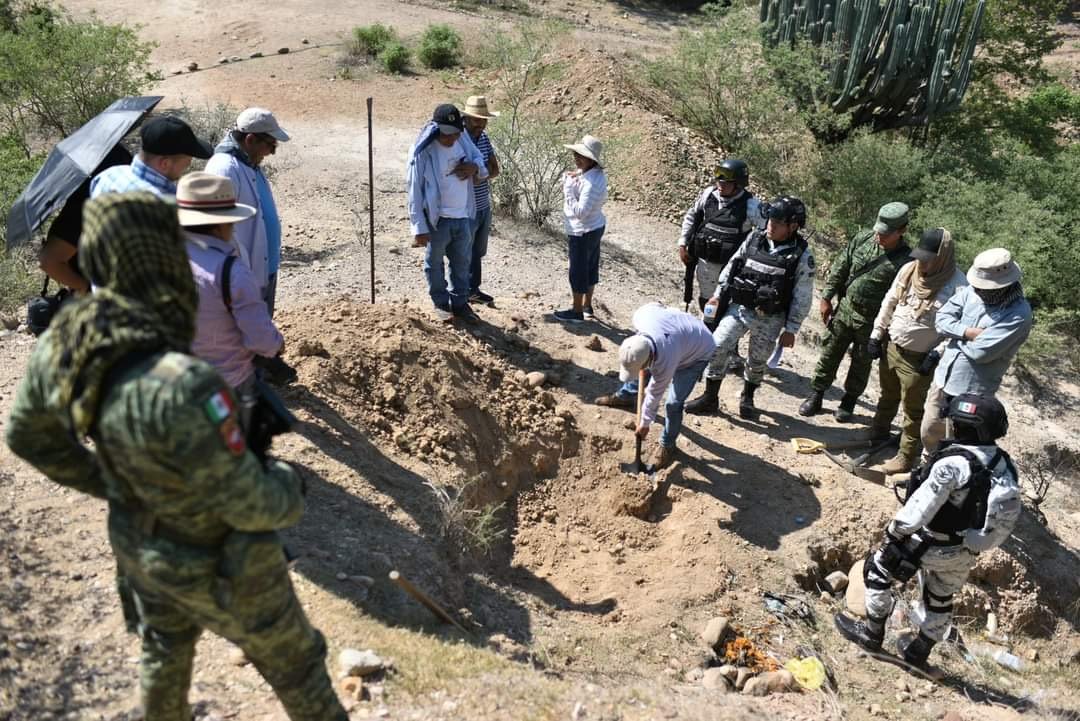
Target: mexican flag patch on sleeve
(219, 407)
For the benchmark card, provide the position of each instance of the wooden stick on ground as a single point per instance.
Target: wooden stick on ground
(426, 601)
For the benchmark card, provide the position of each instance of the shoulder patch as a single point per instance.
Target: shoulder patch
(233, 436)
(219, 407)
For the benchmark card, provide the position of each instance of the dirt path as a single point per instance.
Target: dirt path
(608, 605)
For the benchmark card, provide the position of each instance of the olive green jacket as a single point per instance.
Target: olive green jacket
(862, 296)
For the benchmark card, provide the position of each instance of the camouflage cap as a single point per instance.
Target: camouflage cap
(891, 217)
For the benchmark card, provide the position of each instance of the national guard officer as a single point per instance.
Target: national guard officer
(858, 279)
(964, 500)
(770, 281)
(192, 512)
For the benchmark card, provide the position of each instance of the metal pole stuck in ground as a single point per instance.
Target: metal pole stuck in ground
(371, 194)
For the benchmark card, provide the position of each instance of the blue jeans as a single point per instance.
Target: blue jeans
(681, 385)
(450, 239)
(481, 231)
(585, 260)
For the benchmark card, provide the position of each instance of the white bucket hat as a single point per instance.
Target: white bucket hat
(993, 269)
(208, 199)
(590, 147)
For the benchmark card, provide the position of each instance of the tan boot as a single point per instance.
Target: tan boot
(663, 457)
(897, 464)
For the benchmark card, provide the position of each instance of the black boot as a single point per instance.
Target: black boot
(868, 634)
(846, 412)
(812, 405)
(708, 401)
(747, 411)
(918, 650)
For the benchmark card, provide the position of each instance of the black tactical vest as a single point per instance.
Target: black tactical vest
(953, 518)
(720, 232)
(766, 282)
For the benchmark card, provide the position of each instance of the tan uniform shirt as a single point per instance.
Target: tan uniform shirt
(913, 332)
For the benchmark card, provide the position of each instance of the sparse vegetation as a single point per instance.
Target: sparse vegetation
(395, 58)
(440, 47)
(370, 40)
(467, 530)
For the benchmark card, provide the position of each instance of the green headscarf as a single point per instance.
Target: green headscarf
(144, 297)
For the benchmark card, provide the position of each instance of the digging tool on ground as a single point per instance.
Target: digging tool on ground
(867, 474)
(426, 601)
(809, 445)
(639, 465)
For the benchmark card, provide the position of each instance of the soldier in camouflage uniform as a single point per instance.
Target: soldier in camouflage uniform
(859, 278)
(770, 280)
(192, 512)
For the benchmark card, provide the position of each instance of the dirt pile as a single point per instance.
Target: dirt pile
(432, 392)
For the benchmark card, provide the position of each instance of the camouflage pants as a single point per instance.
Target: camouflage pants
(763, 329)
(180, 591)
(842, 334)
(943, 570)
(898, 373)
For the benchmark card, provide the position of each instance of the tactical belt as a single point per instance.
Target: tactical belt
(939, 539)
(151, 526)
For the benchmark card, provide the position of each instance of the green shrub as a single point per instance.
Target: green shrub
(395, 57)
(371, 40)
(533, 161)
(440, 47)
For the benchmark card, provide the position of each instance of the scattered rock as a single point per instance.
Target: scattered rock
(238, 658)
(594, 343)
(875, 710)
(695, 674)
(715, 631)
(902, 685)
(282, 51)
(714, 678)
(10, 322)
(192, 66)
(836, 581)
(359, 663)
(855, 594)
(731, 673)
(352, 688)
(1032, 654)
(255, 54)
(770, 682)
(953, 716)
(311, 347)
(305, 41)
(536, 379)
(234, 58)
(902, 696)
(742, 676)
(222, 60)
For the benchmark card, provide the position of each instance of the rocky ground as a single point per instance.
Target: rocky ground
(580, 598)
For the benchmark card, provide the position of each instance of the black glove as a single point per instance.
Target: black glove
(873, 348)
(929, 363)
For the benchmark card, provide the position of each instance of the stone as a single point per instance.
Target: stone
(237, 657)
(855, 594)
(953, 716)
(1031, 654)
(594, 343)
(352, 687)
(255, 54)
(875, 710)
(836, 581)
(715, 680)
(731, 673)
(715, 631)
(304, 41)
(222, 60)
(359, 663)
(282, 51)
(10, 322)
(192, 66)
(535, 379)
(311, 347)
(695, 674)
(744, 674)
(770, 682)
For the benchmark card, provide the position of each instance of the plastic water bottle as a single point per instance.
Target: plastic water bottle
(1008, 660)
(774, 359)
(710, 312)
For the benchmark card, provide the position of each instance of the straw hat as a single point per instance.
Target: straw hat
(590, 147)
(207, 199)
(476, 107)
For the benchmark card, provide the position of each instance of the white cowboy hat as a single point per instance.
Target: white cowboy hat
(476, 107)
(208, 199)
(590, 147)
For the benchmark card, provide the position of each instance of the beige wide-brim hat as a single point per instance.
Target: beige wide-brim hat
(590, 147)
(208, 199)
(476, 106)
(993, 269)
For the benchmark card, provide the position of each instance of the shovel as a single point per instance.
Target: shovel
(639, 465)
(867, 474)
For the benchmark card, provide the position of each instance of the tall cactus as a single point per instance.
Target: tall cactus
(894, 63)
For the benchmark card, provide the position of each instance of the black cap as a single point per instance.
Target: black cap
(448, 115)
(929, 244)
(170, 135)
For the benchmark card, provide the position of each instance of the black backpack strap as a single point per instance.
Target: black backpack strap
(226, 282)
(45, 286)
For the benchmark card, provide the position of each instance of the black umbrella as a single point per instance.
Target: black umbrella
(70, 163)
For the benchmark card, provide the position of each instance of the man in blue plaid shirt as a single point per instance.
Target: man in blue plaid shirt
(168, 146)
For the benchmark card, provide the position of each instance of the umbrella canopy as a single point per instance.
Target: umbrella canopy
(70, 163)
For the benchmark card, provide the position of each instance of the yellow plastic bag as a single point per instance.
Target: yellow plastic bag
(809, 671)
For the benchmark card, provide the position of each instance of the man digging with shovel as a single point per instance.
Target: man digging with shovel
(673, 348)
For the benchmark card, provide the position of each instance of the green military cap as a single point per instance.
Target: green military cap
(890, 217)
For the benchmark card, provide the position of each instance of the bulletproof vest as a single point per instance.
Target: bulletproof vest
(721, 230)
(971, 513)
(763, 281)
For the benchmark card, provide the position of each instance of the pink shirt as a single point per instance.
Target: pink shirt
(228, 341)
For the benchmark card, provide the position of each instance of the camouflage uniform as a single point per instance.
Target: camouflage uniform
(853, 319)
(192, 512)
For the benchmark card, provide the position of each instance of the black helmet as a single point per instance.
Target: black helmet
(733, 170)
(984, 417)
(786, 208)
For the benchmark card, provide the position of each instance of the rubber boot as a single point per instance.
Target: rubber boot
(868, 634)
(812, 405)
(845, 413)
(708, 401)
(918, 650)
(747, 411)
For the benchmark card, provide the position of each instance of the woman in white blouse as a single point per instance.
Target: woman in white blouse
(584, 191)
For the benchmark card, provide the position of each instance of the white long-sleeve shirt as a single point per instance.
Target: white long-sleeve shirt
(583, 201)
(913, 332)
(679, 340)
